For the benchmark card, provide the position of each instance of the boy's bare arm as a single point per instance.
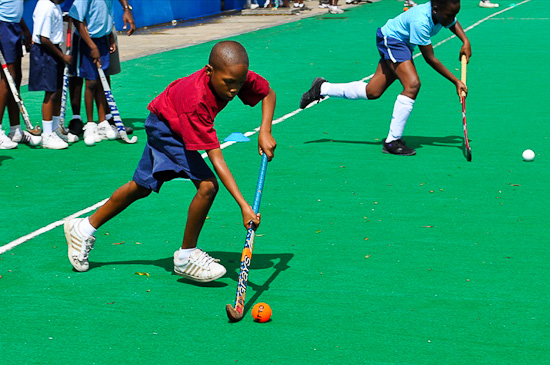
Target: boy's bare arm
(466, 48)
(216, 157)
(266, 142)
(55, 51)
(429, 56)
(83, 31)
(26, 34)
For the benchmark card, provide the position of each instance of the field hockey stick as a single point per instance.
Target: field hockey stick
(114, 110)
(463, 101)
(235, 313)
(11, 82)
(65, 90)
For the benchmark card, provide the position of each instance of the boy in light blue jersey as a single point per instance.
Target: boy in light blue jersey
(396, 41)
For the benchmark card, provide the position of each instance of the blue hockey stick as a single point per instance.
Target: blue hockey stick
(235, 313)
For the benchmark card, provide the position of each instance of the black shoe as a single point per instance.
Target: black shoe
(313, 94)
(398, 147)
(76, 127)
(129, 130)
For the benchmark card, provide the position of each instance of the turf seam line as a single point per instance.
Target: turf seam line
(53, 225)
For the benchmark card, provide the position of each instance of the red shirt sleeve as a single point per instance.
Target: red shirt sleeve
(254, 89)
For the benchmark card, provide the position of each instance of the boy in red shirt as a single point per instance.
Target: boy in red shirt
(181, 123)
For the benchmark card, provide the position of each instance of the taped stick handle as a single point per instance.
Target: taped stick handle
(464, 64)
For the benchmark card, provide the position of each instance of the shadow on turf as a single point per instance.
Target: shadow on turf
(411, 141)
(131, 122)
(232, 262)
(3, 158)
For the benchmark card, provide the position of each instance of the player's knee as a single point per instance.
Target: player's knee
(373, 95)
(413, 88)
(208, 189)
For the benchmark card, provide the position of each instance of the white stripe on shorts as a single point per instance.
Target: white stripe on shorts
(389, 50)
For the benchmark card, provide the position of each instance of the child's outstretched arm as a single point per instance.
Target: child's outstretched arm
(216, 157)
(465, 50)
(429, 56)
(266, 142)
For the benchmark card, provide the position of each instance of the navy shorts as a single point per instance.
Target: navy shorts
(46, 71)
(392, 49)
(166, 158)
(10, 41)
(83, 65)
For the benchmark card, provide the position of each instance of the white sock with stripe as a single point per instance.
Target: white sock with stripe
(356, 90)
(401, 111)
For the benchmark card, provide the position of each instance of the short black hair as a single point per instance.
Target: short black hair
(228, 53)
(443, 3)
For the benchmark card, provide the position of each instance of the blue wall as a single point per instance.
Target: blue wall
(151, 12)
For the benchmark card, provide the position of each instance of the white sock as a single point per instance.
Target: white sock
(55, 122)
(15, 128)
(184, 253)
(77, 116)
(108, 116)
(401, 111)
(352, 90)
(86, 228)
(47, 126)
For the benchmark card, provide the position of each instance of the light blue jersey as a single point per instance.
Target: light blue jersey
(98, 15)
(11, 11)
(415, 27)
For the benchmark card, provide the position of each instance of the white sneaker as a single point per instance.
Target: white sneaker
(79, 245)
(488, 4)
(410, 3)
(69, 137)
(254, 6)
(334, 10)
(53, 142)
(105, 131)
(90, 129)
(21, 136)
(323, 6)
(5, 142)
(200, 266)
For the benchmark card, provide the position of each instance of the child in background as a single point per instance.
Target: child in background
(181, 122)
(12, 28)
(396, 41)
(46, 69)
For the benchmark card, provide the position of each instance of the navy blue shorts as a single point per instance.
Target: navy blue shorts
(10, 41)
(392, 49)
(83, 65)
(166, 158)
(46, 71)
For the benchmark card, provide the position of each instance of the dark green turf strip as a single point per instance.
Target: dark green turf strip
(364, 257)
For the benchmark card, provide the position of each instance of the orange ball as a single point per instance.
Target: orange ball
(261, 312)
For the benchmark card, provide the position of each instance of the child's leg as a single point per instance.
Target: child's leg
(120, 200)
(406, 72)
(89, 97)
(198, 210)
(48, 112)
(101, 102)
(50, 108)
(75, 92)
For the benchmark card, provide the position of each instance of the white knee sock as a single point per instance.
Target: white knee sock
(401, 111)
(352, 90)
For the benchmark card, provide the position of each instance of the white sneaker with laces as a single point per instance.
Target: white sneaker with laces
(488, 4)
(200, 267)
(52, 141)
(105, 131)
(79, 245)
(90, 129)
(332, 9)
(69, 137)
(21, 136)
(5, 142)
(323, 6)
(254, 6)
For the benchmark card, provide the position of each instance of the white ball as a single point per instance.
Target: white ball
(528, 155)
(111, 134)
(89, 141)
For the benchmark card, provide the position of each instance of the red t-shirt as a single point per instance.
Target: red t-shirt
(190, 106)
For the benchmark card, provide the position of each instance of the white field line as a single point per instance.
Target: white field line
(53, 225)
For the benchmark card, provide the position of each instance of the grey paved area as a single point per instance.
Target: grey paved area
(158, 39)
